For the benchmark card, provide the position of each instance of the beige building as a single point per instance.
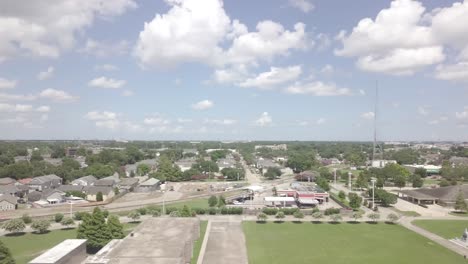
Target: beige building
(7, 202)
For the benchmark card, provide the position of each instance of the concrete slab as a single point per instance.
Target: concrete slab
(226, 243)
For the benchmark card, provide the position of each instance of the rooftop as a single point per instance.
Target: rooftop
(58, 252)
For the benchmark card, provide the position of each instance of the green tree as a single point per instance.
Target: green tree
(143, 169)
(417, 181)
(400, 181)
(36, 156)
(280, 216)
(99, 197)
(221, 201)
(14, 226)
(40, 226)
(94, 228)
(5, 255)
(134, 215)
(342, 195)
(317, 216)
(206, 166)
(185, 212)
(67, 221)
(167, 170)
(262, 217)
(354, 200)
(406, 156)
(392, 218)
(421, 172)
(58, 217)
(362, 181)
(26, 219)
(212, 201)
(301, 161)
(298, 215)
(322, 183)
(460, 203)
(115, 227)
(374, 217)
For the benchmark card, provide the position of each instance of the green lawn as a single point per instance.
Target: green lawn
(445, 228)
(406, 213)
(341, 243)
(28, 246)
(198, 243)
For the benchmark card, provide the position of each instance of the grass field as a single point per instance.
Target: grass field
(198, 243)
(341, 244)
(29, 245)
(445, 228)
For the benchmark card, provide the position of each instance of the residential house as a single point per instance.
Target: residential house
(70, 188)
(456, 161)
(185, 164)
(152, 163)
(190, 151)
(7, 202)
(47, 196)
(150, 185)
(226, 163)
(45, 182)
(105, 183)
(381, 163)
(55, 162)
(10, 189)
(7, 181)
(85, 181)
(92, 191)
(128, 184)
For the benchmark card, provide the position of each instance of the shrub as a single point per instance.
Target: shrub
(155, 213)
(174, 214)
(67, 221)
(392, 218)
(212, 201)
(40, 226)
(105, 213)
(224, 210)
(212, 211)
(342, 195)
(134, 215)
(270, 211)
(199, 211)
(289, 211)
(236, 210)
(79, 216)
(26, 219)
(14, 225)
(315, 209)
(262, 217)
(332, 211)
(142, 211)
(299, 215)
(58, 217)
(280, 215)
(169, 210)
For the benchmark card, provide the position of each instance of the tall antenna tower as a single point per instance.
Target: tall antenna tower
(377, 149)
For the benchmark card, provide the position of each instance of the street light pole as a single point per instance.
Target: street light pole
(349, 181)
(373, 187)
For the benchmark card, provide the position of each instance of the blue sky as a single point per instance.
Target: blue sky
(233, 70)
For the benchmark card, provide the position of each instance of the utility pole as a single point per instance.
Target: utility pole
(349, 181)
(373, 187)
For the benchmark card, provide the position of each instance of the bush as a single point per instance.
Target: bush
(299, 215)
(58, 217)
(169, 210)
(151, 210)
(174, 214)
(236, 210)
(224, 210)
(342, 195)
(332, 211)
(134, 215)
(79, 216)
(26, 219)
(142, 211)
(199, 211)
(262, 217)
(40, 226)
(14, 225)
(270, 211)
(280, 215)
(67, 221)
(315, 209)
(212, 211)
(212, 201)
(105, 213)
(289, 211)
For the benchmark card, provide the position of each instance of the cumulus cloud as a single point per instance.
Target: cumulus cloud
(57, 95)
(107, 83)
(303, 5)
(320, 121)
(317, 88)
(453, 72)
(327, 69)
(174, 37)
(35, 28)
(156, 120)
(184, 120)
(104, 119)
(463, 115)
(17, 97)
(127, 93)
(22, 108)
(264, 120)
(44, 75)
(273, 77)
(7, 84)
(423, 110)
(368, 115)
(202, 105)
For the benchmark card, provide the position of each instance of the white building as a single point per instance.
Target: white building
(7, 202)
(381, 163)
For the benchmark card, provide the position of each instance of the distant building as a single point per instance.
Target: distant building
(456, 161)
(85, 181)
(128, 184)
(150, 185)
(45, 182)
(273, 147)
(445, 196)
(190, 151)
(70, 188)
(92, 191)
(8, 202)
(71, 152)
(382, 163)
(7, 181)
(226, 163)
(185, 164)
(105, 183)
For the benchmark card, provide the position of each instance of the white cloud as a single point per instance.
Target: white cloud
(233, 74)
(226, 122)
(362, 92)
(156, 120)
(323, 41)
(303, 5)
(463, 115)
(327, 69)
(104, 119)
(174, 38)
(202, 105)
(21, 108)
(57, 95)
(453, 72)
(106, 49)
(320, 121)
(42, 28)
(184, 120)
(108, 83)
(273, 77)
(317, 88)
(106, 67)
(7, 84)
(264, 120)
(17, 97)
(43, 109)
(44, 117)
(423, 110)
(368, 115)
(303, 123)
(438, 120)
(127, 93)
(46, 74)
